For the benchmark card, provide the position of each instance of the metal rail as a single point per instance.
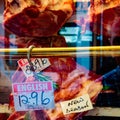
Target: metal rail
(61, 52)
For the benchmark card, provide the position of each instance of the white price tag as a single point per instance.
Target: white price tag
(33, 96)
(39, 64)
(79, 104)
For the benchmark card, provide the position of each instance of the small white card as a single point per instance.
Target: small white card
(79, 104)
(33, 95)
(39, 64)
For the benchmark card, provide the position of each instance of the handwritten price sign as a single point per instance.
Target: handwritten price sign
(33, 95)
(38, 64)
(79, 104)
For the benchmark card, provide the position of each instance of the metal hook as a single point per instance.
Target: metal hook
(29, 56)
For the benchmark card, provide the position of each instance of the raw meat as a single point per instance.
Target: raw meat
(104, 17)
(73, 80)
(38, 18)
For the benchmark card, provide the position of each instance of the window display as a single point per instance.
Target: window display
(59, 60)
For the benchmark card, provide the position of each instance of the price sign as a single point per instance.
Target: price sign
(33, 95)
(79, 104)
(38, 64)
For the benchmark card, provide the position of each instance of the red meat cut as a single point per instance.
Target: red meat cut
(73, 80)
(38, 18)
(104, 17)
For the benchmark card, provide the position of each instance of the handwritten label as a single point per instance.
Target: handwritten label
(39, 64)
(79, 104)
(33, 95)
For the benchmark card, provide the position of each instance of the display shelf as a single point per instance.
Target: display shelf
(104, 111)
